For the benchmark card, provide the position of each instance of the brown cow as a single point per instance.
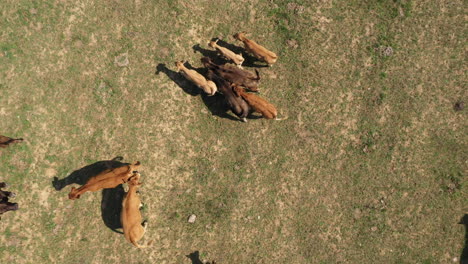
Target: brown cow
(132, 225)
(258, 104)
(4, 195)
(199, 80)
(5, 141)
(7, 206)
(257, 50)
(110, 178)
(237, 105)
(233, 74)
(236, 58)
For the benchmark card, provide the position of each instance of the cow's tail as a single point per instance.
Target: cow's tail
(280, 119)
(141, 246)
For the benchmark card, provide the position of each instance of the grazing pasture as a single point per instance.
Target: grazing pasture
(369, 166)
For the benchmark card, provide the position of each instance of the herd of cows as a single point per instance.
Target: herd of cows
(6, 205)
(230, 81)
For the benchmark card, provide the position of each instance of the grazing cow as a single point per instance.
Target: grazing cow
(233, 74)
(207, 86)
(258, 104)
(236, 58)
(7, 206)
(237, 105)
(5, 141)
(132, 225)
(4, 195)
(257, 50)
(110, 178)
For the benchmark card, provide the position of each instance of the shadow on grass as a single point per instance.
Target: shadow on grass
(215, 103)
(111, 207)
(212, 54)
(178, 79)
(111, 203)
(82, 175)
(195, 258)
(464, 255)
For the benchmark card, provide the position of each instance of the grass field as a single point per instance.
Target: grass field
(369, 166)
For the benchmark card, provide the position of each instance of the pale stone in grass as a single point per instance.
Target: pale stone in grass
(357, 213)
(122, 60)
(192, 218)
(292, 43)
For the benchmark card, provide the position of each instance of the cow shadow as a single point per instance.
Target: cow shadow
(111, 207)
(195, 258)
(178, 79)
(111, 203)
(464, 255)
(82, 175)
(215, 103)
(212, 54)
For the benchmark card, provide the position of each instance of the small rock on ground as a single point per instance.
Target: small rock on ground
(122, 60)
(192, 218)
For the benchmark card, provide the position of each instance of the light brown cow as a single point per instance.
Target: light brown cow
(131, 219)
(5, 141)
(110, 178)
(258, 104)
(257, 50)
(207, 86)
(236, 58)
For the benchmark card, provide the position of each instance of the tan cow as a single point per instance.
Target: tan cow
(110, 178)
(207, 86)
(236, 58)
(131, 219)
(257, 50)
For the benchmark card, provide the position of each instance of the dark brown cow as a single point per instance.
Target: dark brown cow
(4, 195)
(236, 104)
(7, 206)
(234, 74)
